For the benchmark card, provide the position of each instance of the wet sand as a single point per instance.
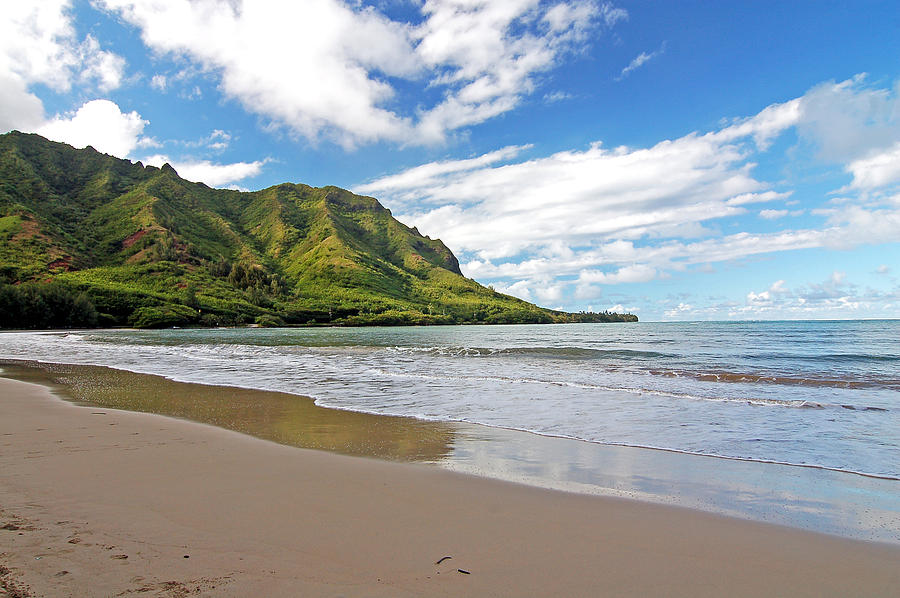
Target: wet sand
(280, 417)
(100, 502)
(836, 503)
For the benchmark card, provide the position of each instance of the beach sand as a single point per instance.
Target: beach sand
(101, 502)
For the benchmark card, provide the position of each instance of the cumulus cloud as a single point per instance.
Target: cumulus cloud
(680, 311)
(877, 170)
(98, 123)
(581, 197)
(38, 44)
(305, 64)
(485, 54)
(103, 67)
(327, 68)
(848, 121)
(204, 171)
(540, 291)
(102, 125)
(833, 297)
(598, 216)
(19, 108)
(219, 140)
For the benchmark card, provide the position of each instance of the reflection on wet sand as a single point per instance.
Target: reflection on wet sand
(816, 499)
(284, 418)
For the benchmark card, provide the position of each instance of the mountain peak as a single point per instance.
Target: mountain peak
(154, 251)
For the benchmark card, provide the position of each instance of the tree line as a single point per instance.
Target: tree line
(42, 306)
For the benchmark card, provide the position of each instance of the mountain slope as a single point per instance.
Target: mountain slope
(149, 248)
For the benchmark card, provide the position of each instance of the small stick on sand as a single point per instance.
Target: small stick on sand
(442, 559)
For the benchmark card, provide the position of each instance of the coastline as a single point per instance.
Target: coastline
(817, 499)
(118, 500)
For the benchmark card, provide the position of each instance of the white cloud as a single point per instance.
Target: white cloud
(310, 65)
(38, 44)
(834, 297)
(556, 96)
(485, 67)
(745, 198)
(204, 171)
(758, 298)
(632, 273)
(580, 197)
(19, 108)
(640, 60)
(434, 173)
(838, 278)
(876, 170)
(680, 311)
(562, 16)
(848, 121)
(159, 82)
(765, 126)
(520, 289)
(99, 123)
(323, 67)
(778, 288)
(598, 216)
(105, 68)
(547, 293)
(216, 141)
(587, 291)
(148, 142)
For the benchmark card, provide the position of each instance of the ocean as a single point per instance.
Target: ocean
(802, 417)
(816, 393)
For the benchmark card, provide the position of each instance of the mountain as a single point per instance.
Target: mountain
(148, 248)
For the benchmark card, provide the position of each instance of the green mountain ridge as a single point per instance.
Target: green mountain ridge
(148, 248)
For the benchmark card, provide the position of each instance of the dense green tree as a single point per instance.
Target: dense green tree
(45, 306)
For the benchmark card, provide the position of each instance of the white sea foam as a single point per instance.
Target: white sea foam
(749, 396)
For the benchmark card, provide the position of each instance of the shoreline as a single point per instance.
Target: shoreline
(166, 505)
(34, 365)
(824, 500)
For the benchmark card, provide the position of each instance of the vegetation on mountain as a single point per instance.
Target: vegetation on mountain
(110, 242)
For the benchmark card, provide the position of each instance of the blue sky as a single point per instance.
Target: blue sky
(680, 160)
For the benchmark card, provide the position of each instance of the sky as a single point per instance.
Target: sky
(676, 160)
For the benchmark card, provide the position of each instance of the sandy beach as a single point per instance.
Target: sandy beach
(100, 502)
